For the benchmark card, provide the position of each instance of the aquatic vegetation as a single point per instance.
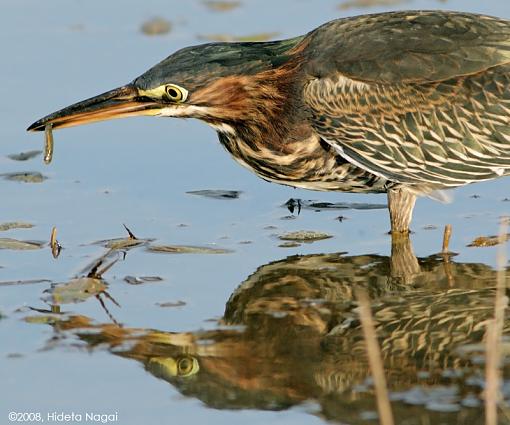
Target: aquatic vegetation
(24, 156)
(221, 6)
(15, 244)
(156, 26)
(304, 236)
(25, 176)
(15, 225)
(217, 194)
(186, 249)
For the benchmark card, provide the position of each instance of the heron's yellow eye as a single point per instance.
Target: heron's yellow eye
(175, 93)
(187, 366)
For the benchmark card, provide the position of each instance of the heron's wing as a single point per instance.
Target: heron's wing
(406, 47)
(421, 98)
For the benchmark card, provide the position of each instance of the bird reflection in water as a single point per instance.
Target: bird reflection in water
(292, 334)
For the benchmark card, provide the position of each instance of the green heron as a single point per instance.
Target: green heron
(407, 103)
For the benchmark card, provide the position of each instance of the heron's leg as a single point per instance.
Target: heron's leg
(401, 204)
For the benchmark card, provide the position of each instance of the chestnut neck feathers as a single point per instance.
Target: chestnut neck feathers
(261, 108)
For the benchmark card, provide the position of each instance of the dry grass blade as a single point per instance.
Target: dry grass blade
(493, 336)
(374, 358)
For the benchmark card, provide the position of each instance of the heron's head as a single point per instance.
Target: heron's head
(217, 82)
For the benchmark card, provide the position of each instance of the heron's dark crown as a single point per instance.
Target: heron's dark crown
(196, 66)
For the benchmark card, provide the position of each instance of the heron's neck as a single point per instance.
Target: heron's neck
(262, 110)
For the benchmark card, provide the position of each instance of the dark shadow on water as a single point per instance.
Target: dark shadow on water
(290, 334)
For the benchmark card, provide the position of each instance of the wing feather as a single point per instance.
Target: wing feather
(420, 98)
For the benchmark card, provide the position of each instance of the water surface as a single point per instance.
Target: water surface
(225, 324)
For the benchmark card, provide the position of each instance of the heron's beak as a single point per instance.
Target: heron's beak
(117, 103)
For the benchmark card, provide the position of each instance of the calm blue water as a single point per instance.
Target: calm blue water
(137, 172)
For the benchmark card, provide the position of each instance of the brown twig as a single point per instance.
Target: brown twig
(130, 233)
(374, 358)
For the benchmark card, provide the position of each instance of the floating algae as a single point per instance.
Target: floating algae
(15, 244)
(25, 177)
(221, 6)
(48, 143)
(304, 236)
(216, 194)
(484, 241)
(187, 249)
(156, 26)
(23, 156)
(15, 225)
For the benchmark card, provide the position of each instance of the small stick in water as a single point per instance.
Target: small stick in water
(130, 233)
(446, 238)
(48, 143)
(55, 246)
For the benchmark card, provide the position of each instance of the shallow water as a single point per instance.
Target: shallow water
(227, 322)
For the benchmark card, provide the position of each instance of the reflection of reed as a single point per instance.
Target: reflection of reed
(374, 358)
(301, 337)
(494, 335)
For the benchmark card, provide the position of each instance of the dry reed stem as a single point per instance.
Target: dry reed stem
(446, 238)
(494, 334)
(374, 358)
